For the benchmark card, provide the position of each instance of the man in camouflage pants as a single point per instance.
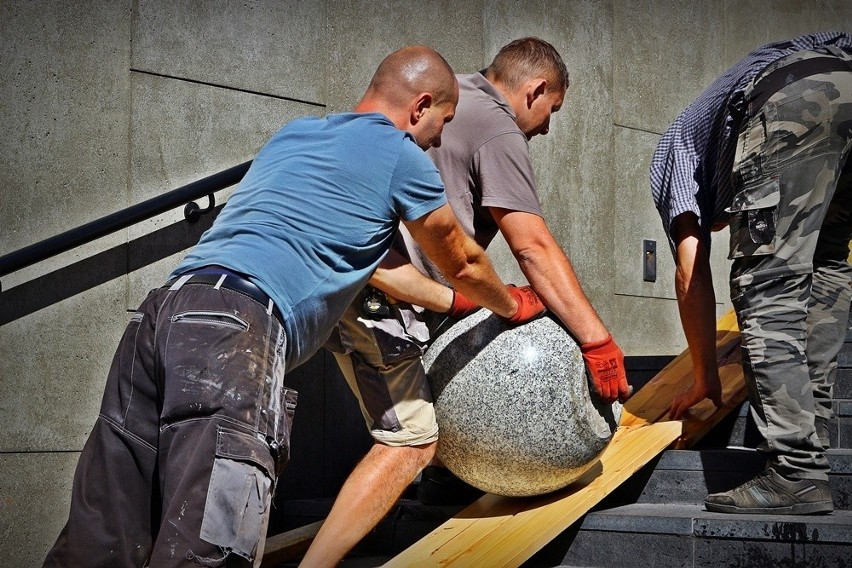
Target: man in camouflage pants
(765, 150)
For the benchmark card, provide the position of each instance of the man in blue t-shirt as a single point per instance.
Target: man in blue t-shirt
(195, 422)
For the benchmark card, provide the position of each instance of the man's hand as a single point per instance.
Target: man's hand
(529, 304)
(462, 306)
(605, 362)
(692, 396)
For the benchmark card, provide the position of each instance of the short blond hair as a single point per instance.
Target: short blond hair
(526, 58)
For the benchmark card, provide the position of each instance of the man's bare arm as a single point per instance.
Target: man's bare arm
(461, 260)
(401, 280)
(696, 302)
(550, 273)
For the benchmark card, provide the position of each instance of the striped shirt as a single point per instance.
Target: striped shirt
(691, 167)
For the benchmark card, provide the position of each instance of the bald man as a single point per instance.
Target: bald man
(194, 427)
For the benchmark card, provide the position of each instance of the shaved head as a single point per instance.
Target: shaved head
(417, 90)
(412, 70)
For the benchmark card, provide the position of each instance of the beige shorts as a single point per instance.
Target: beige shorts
(380, 360)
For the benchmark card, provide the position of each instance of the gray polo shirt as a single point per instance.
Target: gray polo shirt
(484, 162)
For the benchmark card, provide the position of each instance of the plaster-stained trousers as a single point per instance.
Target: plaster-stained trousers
(194, 427)
(790, 279)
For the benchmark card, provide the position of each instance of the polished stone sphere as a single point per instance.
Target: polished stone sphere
(513, 405)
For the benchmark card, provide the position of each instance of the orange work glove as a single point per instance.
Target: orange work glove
(605, 362)
(462, 306)
(529, 304)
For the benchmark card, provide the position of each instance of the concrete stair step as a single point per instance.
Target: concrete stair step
(685, 535)
(687, 476)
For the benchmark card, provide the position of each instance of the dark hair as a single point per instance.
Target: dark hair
(529, 57)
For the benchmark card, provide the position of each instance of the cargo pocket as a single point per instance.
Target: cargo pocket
(400, 337)
(754, 215)
(280, 443)
(236, 512)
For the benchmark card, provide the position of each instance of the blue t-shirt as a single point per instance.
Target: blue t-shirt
(316, 213)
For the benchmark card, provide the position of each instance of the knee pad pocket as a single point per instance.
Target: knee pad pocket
(236, 512)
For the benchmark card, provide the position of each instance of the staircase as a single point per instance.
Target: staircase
(657, 518)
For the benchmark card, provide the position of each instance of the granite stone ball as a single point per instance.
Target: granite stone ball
(513, 405)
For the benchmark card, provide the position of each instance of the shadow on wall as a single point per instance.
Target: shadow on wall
(322, 451)
(61, 284)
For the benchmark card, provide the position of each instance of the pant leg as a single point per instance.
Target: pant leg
(785, 186)
(193, 431)
(381, 362)
(115, 497)
(224, 427)
(831, 293)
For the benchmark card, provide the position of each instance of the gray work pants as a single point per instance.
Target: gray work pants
(194, 427)
(790, 279)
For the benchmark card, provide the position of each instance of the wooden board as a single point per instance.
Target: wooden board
(290, 545)
(651, 403)
(506, 531)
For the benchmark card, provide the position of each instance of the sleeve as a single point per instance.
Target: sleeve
(675, 169)
(505, 174)
(416, 187)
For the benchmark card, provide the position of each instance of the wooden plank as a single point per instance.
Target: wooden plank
(290, 545)
(504, 532)
(507, 539)
(479, 519)
(651, 403)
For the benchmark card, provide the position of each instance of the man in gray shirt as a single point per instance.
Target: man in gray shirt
(483, 157)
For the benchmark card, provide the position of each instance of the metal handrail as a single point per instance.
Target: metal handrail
(125, 218)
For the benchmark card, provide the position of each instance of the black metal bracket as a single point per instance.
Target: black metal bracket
(192, 212)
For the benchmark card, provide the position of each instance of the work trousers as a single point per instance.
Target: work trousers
(380, 360)
(194, 427)
(790, 278)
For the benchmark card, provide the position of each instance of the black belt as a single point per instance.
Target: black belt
(231, 282)
(779, 78)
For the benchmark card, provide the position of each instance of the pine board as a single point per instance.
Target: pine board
(290, 545)
(504, 532)
(650, 404)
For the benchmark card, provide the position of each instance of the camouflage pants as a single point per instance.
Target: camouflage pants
(791, 278)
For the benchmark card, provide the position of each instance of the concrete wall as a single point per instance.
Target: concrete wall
(107, 103)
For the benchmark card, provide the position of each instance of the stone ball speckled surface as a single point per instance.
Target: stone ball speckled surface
(513, 405)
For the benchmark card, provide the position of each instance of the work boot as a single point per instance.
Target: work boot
(770, 493)
(439, 486)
